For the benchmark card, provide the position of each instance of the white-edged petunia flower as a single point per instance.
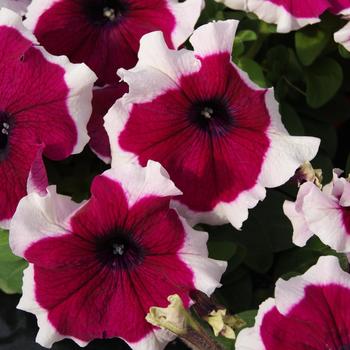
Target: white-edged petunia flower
(97, 267)
(45, 104)
(218, 135)
(309, 312)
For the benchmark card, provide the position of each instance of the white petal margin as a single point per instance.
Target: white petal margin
(249, 338)
(326, 271)
(214, 37)
(35, 10)
(39, 216)
(19, 6)
(186, 15)
(12, 19)
(271, 13)
(80, 80)
(158, 339)
(342, 36)
(207, 272)
(78, 77)
(47, 334)
(138, 182)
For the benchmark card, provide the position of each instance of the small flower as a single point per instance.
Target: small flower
(307, 173)
(309, 312)
(324, 213)
(45, 103)
(289, 14)
(110, 258)
(102, 101)
(218, 135)
(105, 34)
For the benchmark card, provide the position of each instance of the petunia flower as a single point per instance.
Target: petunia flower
(19, 6)
(45, 104)
(309, 312)
(342, 36)
(105, 34)
(325, 213)
(218, 135)
(289, 14)
(103, 99)
(110, 258)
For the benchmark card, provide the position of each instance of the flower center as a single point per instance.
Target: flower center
(105, 12)
(212, 116)
(5, 130)
(119, 250)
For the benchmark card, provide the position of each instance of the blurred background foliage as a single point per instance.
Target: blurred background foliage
(311, 77)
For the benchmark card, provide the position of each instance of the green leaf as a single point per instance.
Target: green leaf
(246, 35)
(344, 52)
(224, 250)
(323, 80)
(248, 317)
(238, 48)
(309, 43)
(253, 69)
(291, 119)
(11, 267)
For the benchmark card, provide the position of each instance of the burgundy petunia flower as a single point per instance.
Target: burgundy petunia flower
(110, 259)
(105, 34)
(19, 6)
(289, 14)
(102, 101)
(309, 312)
(45, 103)
(325, 213)
(218, 135)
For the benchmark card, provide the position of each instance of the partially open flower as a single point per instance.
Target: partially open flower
(174, 317)
(105, 34)
(289, 14)
(224, 324)
(307, 173)
(325, 213)
(218, 135)
(45, 104)
(309, 312)
(110, 259)
(102, 101)
(19, 6)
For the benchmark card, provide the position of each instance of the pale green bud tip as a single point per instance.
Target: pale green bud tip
(223, 324)
(307, 173)
(172, 318)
